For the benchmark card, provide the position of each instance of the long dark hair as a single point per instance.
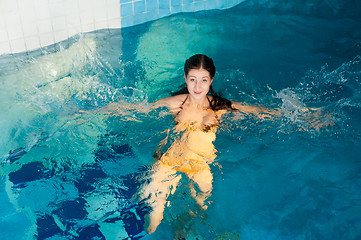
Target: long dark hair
(200, 61)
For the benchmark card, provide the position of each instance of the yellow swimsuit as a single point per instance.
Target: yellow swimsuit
(193, 150)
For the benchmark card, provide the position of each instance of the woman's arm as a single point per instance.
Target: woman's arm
(164, 102)
(124, 108)
(255, 110)
(312, 118)
(172, 103)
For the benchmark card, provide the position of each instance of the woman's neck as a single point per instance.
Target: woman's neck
(203, 102)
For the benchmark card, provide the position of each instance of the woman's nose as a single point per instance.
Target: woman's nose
(196, 85)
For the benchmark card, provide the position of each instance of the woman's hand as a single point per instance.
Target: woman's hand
(316, 117)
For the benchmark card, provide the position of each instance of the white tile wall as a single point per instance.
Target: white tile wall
(26, 25)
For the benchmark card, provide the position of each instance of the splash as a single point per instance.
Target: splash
(325, 98)
(340, 86)
(45, 102)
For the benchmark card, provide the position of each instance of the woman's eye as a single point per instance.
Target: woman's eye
(192, 79)
(205, 80)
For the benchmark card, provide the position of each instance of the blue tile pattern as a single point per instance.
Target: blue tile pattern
(164, 4)
(126, 10)
(188, 7)
(187, 1)
(175, 3)
(199, 6)
(176, 9)
(152, 5)
(139, 11)
(139, 7)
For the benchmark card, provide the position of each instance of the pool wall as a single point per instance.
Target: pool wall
(26, 25)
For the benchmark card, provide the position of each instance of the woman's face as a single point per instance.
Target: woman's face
(198, 82)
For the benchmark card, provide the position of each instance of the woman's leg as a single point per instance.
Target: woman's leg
(203, 178)
(163, 181)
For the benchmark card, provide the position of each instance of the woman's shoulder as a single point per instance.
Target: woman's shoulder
(171, 102)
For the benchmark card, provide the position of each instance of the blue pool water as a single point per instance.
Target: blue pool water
(72, 160)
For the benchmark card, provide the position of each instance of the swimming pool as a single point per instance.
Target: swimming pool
(71, 162)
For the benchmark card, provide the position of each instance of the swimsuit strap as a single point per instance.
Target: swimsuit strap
(209, 101)
(213, 110)
(181, 106)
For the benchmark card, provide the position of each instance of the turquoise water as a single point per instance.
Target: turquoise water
(71, 161)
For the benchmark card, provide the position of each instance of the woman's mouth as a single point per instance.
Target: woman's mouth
(197, 93)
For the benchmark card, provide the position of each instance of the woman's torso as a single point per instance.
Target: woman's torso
(196, 126)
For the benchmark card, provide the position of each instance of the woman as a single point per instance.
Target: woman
(197, 115)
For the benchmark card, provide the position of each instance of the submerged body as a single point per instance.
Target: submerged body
(197, 115)
(190, 153)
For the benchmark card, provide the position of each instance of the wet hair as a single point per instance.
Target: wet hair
(200, 61)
